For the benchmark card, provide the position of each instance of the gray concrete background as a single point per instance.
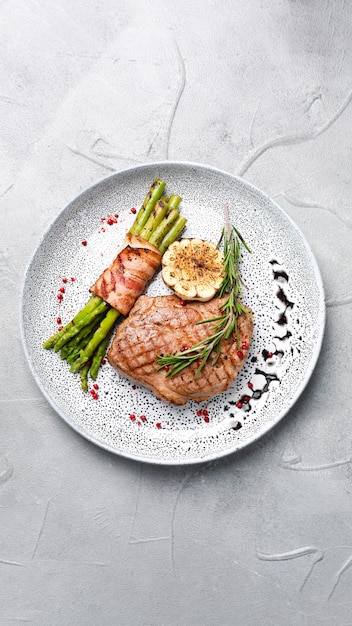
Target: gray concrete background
(263, 90)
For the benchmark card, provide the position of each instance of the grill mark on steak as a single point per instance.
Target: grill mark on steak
(161, 325)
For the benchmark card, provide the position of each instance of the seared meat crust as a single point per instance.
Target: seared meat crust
(161, 325)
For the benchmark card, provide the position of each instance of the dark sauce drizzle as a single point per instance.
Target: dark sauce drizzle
(281, 277)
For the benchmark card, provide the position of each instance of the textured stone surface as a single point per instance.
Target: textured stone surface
(263, 90)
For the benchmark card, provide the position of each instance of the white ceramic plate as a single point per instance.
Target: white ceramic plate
(284, 290)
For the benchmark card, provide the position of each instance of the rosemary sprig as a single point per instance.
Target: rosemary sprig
(226, 323)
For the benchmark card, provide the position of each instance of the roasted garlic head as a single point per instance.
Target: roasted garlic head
(193, 268)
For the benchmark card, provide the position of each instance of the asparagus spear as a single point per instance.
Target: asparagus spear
(85, 339)
(92, 303)
(155, 193)
(83, 321)
(84, 376)
(105, 326)
(172, 234)
(159, 233)
(74, 345)
(99, 355)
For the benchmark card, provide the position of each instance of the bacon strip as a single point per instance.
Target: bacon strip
(123, 282)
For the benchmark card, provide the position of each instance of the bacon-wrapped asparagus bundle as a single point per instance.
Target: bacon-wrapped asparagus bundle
(123, 282)
(84, 340)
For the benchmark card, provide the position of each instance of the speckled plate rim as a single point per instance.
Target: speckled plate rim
(320, 323)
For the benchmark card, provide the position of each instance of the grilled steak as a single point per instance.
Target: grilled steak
(162, 325)
(123, 282)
